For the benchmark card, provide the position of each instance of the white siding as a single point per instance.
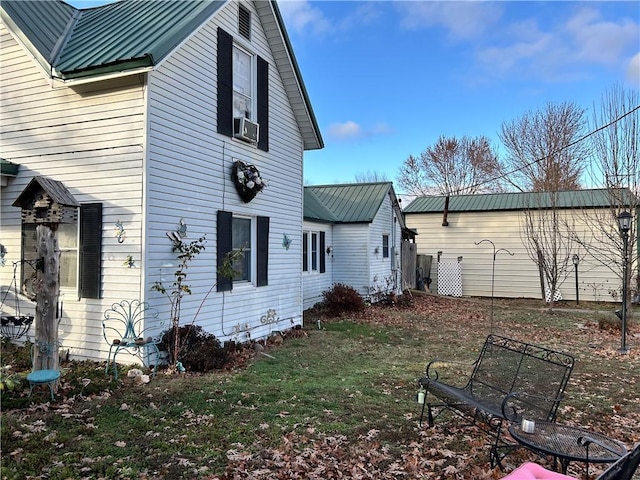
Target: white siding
(515, 276)
(384, 272)
(352, 244)
(189, 177)
(314, 283)
(91, 138)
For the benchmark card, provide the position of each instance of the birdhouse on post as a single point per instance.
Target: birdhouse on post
(47, 203)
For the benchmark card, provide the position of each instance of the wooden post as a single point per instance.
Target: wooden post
(47, 203)
(48, 286)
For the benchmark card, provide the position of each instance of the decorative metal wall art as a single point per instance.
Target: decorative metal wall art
(120, 233)
(286, 241)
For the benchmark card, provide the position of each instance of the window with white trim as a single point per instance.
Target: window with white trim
(243, 83)
(68, 245)
(242, 86)
(80, 246)
(310, 253)
(246, 239)
(385, 246)
(313, 260)
(241, 241)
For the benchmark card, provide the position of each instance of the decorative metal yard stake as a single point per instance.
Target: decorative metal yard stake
(493, 269)
(576, 261)
(624, 223)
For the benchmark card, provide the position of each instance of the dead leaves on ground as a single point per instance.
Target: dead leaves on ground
(305, 456)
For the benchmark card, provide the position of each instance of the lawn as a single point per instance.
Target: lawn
(331, 402)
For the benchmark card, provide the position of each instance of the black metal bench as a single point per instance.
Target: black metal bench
(510, 380)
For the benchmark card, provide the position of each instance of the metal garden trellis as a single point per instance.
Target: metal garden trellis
(493, 269)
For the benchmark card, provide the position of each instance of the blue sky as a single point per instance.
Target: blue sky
(387, 78)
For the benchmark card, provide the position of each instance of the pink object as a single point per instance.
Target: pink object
(533, 471)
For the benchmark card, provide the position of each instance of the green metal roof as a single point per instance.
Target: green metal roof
(314, 209)
(513, 201)
(114, 37)
(42, 23)
(345, 203)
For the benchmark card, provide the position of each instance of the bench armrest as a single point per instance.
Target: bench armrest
(433, 365)
(516, 403)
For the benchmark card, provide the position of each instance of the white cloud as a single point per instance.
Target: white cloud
(301, 17)
(599, 41)
(345, 131)
(350, 130)
(381, 129)
(633, 71)
(463, 20)
(565, 50)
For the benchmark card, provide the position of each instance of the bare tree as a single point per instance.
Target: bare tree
(548, 242)
(371, 177)
(544, 151)
(452, 166)
(615, 166)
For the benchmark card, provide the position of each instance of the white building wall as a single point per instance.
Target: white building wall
(515, 276)
(382, 275)
(351, 244)
(91, 138)
(189, 169)
(314, 283)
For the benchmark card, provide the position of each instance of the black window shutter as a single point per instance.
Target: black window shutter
(224, 247)
(262, 75)
(263, 251)
(90, 249)
(225, 83)
(322, 257)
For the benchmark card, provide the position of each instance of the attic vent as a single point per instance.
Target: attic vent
(244, 22)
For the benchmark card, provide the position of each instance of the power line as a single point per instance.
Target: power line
(561, 149)
(555, 152)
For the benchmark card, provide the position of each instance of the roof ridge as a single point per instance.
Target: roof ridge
(64, 38)
(354, 184)
(519, 193)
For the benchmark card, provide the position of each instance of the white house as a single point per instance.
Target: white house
(142, 111)
(352, 235)
(466, 234)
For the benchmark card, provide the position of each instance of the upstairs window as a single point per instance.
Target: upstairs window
(243, 87)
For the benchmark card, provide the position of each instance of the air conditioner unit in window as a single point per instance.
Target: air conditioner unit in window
(245, 129)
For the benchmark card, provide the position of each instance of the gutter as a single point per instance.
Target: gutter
(93, 79)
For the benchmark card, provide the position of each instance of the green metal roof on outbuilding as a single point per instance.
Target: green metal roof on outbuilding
(345, 203)
(314, 209)
(514, 201)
